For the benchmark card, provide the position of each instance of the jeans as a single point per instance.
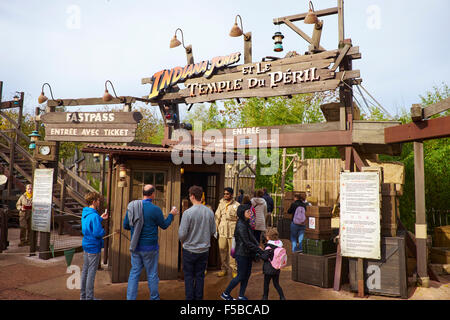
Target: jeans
(139, 260)
(194, 266)
(90, 266)
(244, 269)
(297, 233)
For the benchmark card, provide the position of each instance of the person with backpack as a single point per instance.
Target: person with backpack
(275, 258)
(298, 224)
(246, 248)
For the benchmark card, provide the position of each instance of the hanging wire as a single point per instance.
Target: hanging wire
(379, 105)
(360, 93)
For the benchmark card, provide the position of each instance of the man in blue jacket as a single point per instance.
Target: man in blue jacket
(143, 219)
(93, 232)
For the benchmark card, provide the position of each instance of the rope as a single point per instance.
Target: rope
(360, 93)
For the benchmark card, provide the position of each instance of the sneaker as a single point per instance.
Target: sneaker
(225, 296)
(221, 273)
(242, 298)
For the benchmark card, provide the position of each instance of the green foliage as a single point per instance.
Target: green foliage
(151, 128)
(436, 166)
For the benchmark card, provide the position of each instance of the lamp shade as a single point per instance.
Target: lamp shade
(278, 36)
(174, 42)
(311, 17)
(34, 136)
(107, 96)
(42, 98)
(235, 31)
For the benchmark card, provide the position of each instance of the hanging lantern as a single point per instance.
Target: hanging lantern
(278, 37)
(107, 157)
(311, 17)
(34, 136)
(122, 171)
(182, 170)
(96, 157)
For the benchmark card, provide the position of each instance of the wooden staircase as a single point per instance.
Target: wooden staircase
(67, 201)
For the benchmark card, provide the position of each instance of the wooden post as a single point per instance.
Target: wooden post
(248, 47)
(341, 20)
(317, 33)
(62, 205)
(189, 55)
(283, 179)
(108, 207)
(421, 226)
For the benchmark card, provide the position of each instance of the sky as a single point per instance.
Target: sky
(77, 45)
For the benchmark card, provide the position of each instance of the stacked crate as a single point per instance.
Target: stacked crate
(316, 264)
(318, 233)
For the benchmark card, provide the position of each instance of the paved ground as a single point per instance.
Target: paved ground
(29, 278)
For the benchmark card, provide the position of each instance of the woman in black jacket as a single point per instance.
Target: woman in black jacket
(246, 249)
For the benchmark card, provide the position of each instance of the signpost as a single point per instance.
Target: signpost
(91, 126)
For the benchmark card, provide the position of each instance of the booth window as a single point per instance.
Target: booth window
(211, 192)
(155, 178)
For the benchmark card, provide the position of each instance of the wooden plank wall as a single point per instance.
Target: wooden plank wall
(168, 239)
(323, 177)
(245, 183)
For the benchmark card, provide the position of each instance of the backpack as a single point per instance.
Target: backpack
(299, 216)
(279, 259)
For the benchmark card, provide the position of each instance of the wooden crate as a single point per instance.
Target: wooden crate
(284, 228)
(441, 236)
(317, 270)
(318, 223)
(319, 247)
(393, 269)
(440, 255)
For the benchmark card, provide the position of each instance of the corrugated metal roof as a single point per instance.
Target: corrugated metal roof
(153, 148)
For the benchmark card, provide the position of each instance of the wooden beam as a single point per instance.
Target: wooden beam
(436, 108)
(423, 130)
(93, 101)
(300, 32)
(302, 16)
(343, 53)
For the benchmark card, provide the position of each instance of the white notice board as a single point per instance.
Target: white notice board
(360, 215)
(42, 200)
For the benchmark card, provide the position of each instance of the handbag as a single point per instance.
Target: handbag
(233, 248)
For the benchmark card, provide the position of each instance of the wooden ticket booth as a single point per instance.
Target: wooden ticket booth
(151, 164)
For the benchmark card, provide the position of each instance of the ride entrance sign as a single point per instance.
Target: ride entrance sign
(360, 215)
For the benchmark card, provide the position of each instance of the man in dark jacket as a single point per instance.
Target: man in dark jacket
(270, 205)
(245, 250)
(146, 252)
